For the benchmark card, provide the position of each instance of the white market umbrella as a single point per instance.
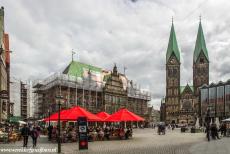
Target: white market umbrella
(21, 122)
(226, 120)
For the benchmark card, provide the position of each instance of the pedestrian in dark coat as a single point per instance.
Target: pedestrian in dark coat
(25, 133)
(208, 131)
(50, 129)
(34, 134)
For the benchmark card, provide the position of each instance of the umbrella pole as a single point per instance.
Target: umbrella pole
(125, 124)
(96, 124)
(137, 124)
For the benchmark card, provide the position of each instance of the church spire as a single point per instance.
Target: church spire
(200, 44)
(172, 45)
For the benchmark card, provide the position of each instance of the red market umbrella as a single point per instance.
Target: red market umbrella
(54, 117)
(76, 112)
(123, 115)
(103, 115)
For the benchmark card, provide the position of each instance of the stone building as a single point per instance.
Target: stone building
(91, 87)
(20, 97)
(4, 70)
(181, 102)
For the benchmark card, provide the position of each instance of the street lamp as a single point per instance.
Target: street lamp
(49, 116)
(49, 133)
(59, 98)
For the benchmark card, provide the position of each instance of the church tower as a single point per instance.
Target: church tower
(172, 78)
(200, 62)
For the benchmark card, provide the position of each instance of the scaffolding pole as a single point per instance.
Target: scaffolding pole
(83, 93)
(76, 93)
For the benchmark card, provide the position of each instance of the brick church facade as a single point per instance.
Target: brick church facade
(181, 102)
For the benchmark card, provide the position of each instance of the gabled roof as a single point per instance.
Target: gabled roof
(172, 45)
(200, 44)
(182, 88)
(77, 69)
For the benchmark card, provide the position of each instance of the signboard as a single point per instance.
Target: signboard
(4, 94)
(82, 133)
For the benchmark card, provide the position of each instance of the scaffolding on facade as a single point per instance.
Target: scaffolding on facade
(89, 84)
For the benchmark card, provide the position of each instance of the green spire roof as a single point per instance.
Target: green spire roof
(200, 45)
(77, 69)
(172, 46)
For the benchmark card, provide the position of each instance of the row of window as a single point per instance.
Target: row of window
(216, 99)
(172, 92)
(172, 72)
(172, 100)
(173, 82)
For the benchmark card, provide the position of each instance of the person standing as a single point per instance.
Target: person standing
(208, 131)
(34, 134)
(50, 129)
(25, 133)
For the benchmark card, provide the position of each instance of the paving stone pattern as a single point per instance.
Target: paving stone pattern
(144, 141)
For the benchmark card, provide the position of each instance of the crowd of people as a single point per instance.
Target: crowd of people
(213, 131)
(108, 132)
(69, 134)
(33, 131)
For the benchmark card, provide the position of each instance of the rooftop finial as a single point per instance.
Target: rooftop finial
(73, 53)
(172, 19)
(200, 18)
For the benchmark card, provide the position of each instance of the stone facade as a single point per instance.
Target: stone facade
(4, 70)
(181, 102)
(94, 89)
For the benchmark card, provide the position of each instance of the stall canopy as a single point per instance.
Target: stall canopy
(54, 117)
(77, 111)
(226, 120)
(124, 115)
(103, 115)
(15, 119)
(72, 114)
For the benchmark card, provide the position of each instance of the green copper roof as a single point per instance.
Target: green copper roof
(182, 88)
(200, 45)
(77, 69)
(172, 46)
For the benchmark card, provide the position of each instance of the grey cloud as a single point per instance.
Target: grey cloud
(134, 35)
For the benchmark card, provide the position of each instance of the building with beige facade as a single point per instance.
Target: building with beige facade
(91, 87)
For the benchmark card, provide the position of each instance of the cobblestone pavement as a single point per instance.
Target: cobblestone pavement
(144, 141)
(221, 146)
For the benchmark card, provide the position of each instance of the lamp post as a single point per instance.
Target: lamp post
(59, 98)
(49, 116)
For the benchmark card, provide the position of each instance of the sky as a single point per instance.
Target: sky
(131, 33)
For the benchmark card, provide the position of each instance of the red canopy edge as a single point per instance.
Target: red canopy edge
(72, 114)
(124, 115)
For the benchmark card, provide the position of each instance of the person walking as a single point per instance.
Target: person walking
(208, 131)
(50, 129)
(34, 134)
(216, 134)
(25, 133)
